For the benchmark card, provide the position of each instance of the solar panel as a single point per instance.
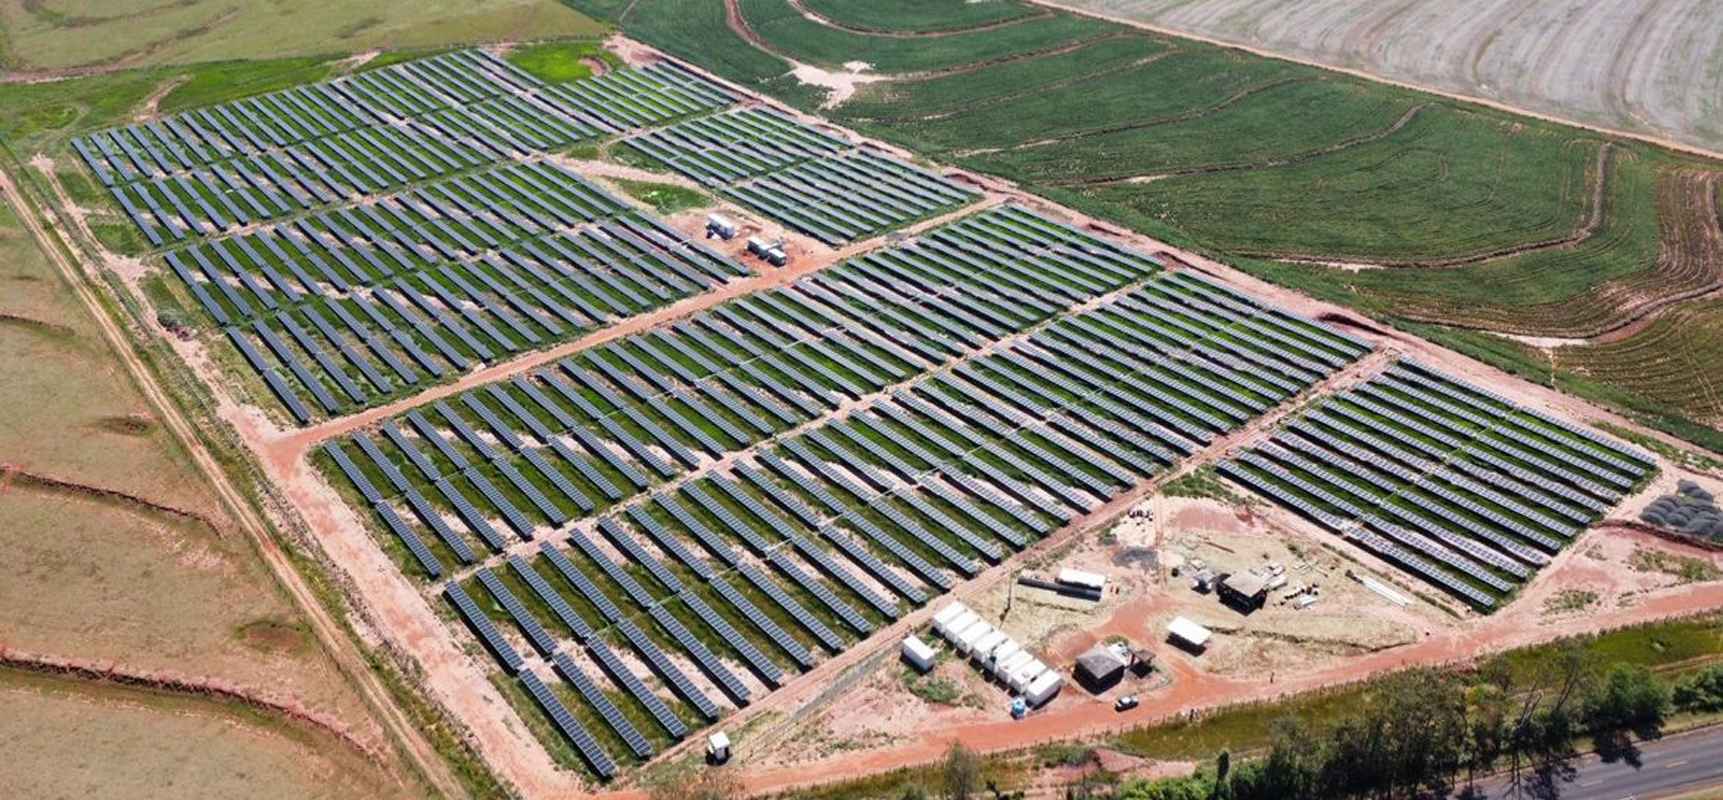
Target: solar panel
(481, 625)
(569, 726)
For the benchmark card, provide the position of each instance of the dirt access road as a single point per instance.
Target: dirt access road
(330, 633)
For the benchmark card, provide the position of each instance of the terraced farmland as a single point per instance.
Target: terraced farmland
(703, 511)
(1412, 207)
(1451, 482)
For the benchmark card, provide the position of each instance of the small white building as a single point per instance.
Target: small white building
(722, 226)
(1006, 651)
(1043, 688)
(918, 653)
(758, 246)
(718, 747)
(956, 625)
(1003, 670)
(1085, 580)
(967, 638)
(983, 648)
(949, 613)
(1026, 674)
(1190, 633)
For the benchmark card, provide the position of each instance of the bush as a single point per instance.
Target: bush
(1701, 692)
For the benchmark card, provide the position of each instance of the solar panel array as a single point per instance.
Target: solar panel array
(814, 182)
(1458, 485)
(359, 304)
(997, 378)
(213, 170)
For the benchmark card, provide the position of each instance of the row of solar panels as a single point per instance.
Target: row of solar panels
(373, 99)
(331, 252)
(816, 183)
(1469, 483)
(189, 176)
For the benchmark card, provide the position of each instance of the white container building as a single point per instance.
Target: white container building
(1043, 688)
(983, 649)
(918, 653)
(969, 636)
(1080, 578)
(957, 624)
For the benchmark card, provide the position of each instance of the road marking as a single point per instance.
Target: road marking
(1674, 764)
(1592, 782)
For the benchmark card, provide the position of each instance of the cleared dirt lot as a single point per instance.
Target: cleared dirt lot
(1641, 65)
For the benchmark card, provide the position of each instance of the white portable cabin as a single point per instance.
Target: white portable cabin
(966, 640)
(776, 256)
(983, 648)
(918, 653)
(1006, 651)
(758, 246)
(1022, 676)
(1189, 632)
(718, 747)
(1086, 580)
(957, 624)
(721, 225)
(1043, 688)
(1003, 669)
(949, 613)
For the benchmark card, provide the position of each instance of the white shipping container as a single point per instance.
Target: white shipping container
(969, 636)
(918, 653)
(983, 648)
(1043, 688)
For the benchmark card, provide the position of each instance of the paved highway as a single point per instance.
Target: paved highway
(1667, 767)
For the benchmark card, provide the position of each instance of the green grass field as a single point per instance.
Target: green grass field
(62, 34)
(919, 16)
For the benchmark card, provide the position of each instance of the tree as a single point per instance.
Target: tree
(1630, 699)
(1701, 692)
(961, 772)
